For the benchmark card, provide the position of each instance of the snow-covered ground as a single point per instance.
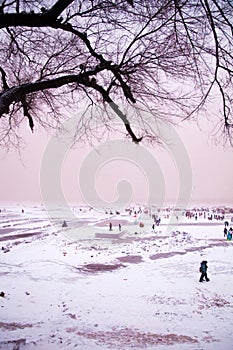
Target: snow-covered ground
(137, 288)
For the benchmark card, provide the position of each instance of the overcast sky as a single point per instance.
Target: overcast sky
(211, 177)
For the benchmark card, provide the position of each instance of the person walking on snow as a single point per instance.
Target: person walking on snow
(203, 270)
(225, 231)
(229, 234)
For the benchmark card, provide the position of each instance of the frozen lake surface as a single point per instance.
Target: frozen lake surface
(85, 287)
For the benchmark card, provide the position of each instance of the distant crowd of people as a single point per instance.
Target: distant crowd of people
(205, 215)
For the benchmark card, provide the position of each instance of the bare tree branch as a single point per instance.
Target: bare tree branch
(44, 19)
(19, 94)
(4, 82)
(27, 114)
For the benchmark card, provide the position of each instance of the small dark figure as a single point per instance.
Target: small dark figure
(226, 223)
(153, 227)
(64, 224)
(22, 211)
(203, 270)
(157, 221)
(110, 226)
(119, 227)
(225, 231)
(229, 234)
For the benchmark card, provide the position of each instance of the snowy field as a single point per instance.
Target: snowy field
(137, 288)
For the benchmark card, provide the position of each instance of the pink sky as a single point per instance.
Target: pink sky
(212, 171)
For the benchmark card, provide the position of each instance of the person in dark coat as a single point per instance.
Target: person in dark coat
(225, 231)
(203, 270)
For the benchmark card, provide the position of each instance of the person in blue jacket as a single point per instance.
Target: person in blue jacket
(229, 234)
(203, 270)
